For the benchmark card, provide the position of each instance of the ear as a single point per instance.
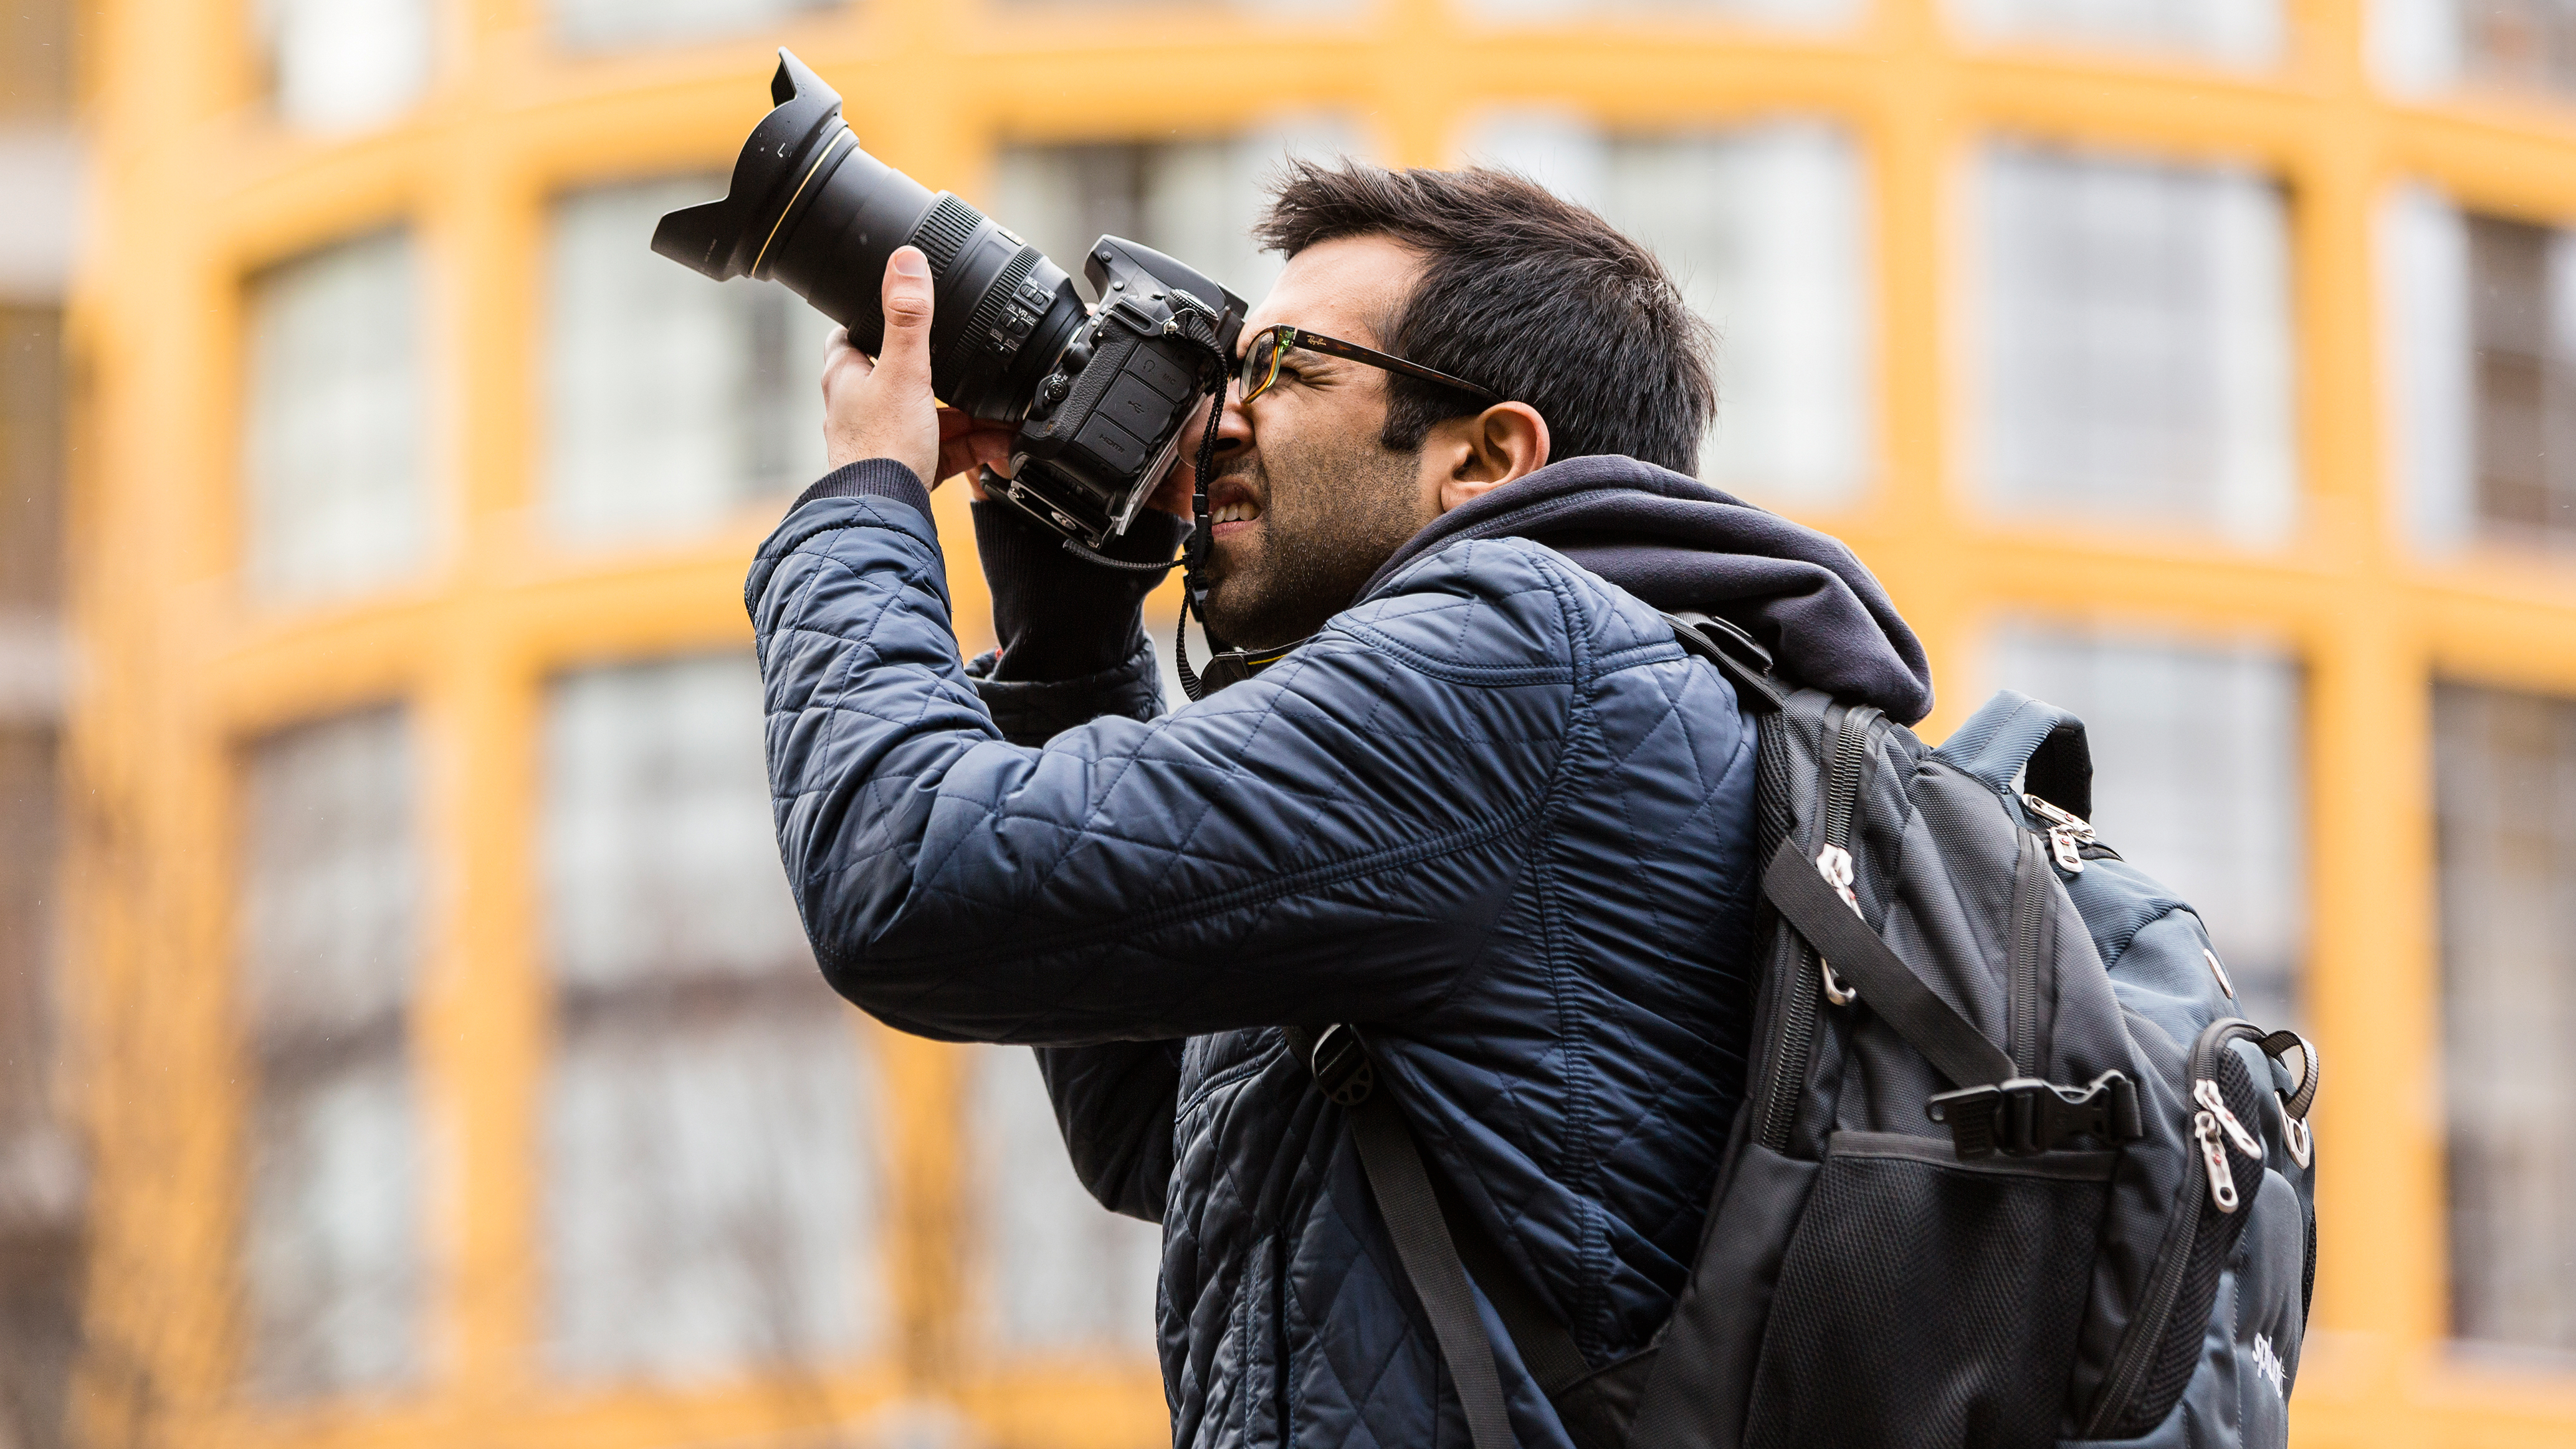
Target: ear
(1506, 441)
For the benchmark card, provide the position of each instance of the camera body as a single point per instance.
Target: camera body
(1099, 396)
(1106, 420)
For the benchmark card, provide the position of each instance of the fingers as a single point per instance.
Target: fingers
(905, 357)
(965, 442)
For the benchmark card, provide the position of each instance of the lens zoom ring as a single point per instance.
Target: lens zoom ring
(944, 232)
(988, 309)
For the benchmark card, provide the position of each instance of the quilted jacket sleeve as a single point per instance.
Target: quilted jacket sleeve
(1331, 841)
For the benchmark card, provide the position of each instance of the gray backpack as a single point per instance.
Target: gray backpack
(2010, 1170)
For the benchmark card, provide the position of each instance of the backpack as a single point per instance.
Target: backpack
(2010, 1169)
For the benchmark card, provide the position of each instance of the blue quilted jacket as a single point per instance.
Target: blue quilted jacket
(1492, 815)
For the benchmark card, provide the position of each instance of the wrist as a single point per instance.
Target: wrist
(1056, 616)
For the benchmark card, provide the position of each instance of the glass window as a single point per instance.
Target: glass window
(2198, 778)
(602, 24)
(1056, 1271)
(339, 65)
(2522, 327)
(2517, 44)
(1193, 200)
(2238, 32)
(1764, 230)
(330, 924)
(675, 401)
(337, 494)
(2419, 47)
(2482, 372)
(712, 1197)
(2506, 796)
(2134, 348)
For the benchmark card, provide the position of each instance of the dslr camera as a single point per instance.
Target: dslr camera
(1100, 397)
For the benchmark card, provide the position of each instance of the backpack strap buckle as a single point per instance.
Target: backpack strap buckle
(1340, 1062)
(2024, 1116)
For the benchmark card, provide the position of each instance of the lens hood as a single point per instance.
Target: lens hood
(786, 154)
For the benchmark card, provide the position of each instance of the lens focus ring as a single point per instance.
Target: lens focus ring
(945, 232)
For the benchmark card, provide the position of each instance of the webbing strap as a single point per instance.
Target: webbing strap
(1887, 985)
(1431, 1261)
(1417, 1218)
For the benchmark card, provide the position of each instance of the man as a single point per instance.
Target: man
(1488, 812)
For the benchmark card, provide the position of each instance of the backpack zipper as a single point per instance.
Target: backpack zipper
(2147, 1331)
(2028, 919)
(1798, 1014)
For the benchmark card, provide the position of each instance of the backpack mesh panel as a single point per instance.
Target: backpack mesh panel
(1925, 1305)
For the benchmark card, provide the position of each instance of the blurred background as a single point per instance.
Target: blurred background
(405, 1036)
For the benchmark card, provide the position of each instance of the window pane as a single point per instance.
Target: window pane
(1057, 1271)
(675, 402)
(330, 910)
(1193, 200)
(337, 498)
(2522, 323)
(598, 24)
(2527, 45)
(712, 1200)
(2424, 288)
(660, 853)
(334, 1227)
(2135, 358)
(2506, 796)
(331, 913)
(338, 65)
(2198, 779)
(710, 1206)
(2240, 32)
(1763, 229)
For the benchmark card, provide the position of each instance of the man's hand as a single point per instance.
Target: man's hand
(884, 409)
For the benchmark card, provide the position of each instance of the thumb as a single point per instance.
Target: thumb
(905, 357)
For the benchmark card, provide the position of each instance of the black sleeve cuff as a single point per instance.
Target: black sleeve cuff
(1057, 616)
(1032, 712)
(880, 477)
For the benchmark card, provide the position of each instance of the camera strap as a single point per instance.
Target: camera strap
(1193, 322)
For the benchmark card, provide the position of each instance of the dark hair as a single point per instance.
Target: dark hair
(1523, 291)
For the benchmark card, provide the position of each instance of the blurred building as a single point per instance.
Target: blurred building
(451, 1064)
(40, 1164)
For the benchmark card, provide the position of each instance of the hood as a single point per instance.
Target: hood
(1678, 543)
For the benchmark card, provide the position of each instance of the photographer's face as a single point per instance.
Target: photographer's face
(1307, 503)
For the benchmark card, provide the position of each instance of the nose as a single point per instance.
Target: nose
(1234, 425)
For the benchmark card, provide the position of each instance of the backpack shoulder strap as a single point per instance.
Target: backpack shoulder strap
(1440, 1247)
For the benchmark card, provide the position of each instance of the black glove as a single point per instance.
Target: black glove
(1057, 616)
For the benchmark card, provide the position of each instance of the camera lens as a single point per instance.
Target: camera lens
(808, 208)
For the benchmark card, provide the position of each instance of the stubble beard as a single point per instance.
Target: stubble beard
(1344, 510)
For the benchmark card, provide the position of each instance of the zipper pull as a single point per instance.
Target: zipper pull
(1835, 864)
(2205, 1092)
(2064, 820)
(2222, 1182)
(2061, 843)
(1835, 991)
(2065, 832)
